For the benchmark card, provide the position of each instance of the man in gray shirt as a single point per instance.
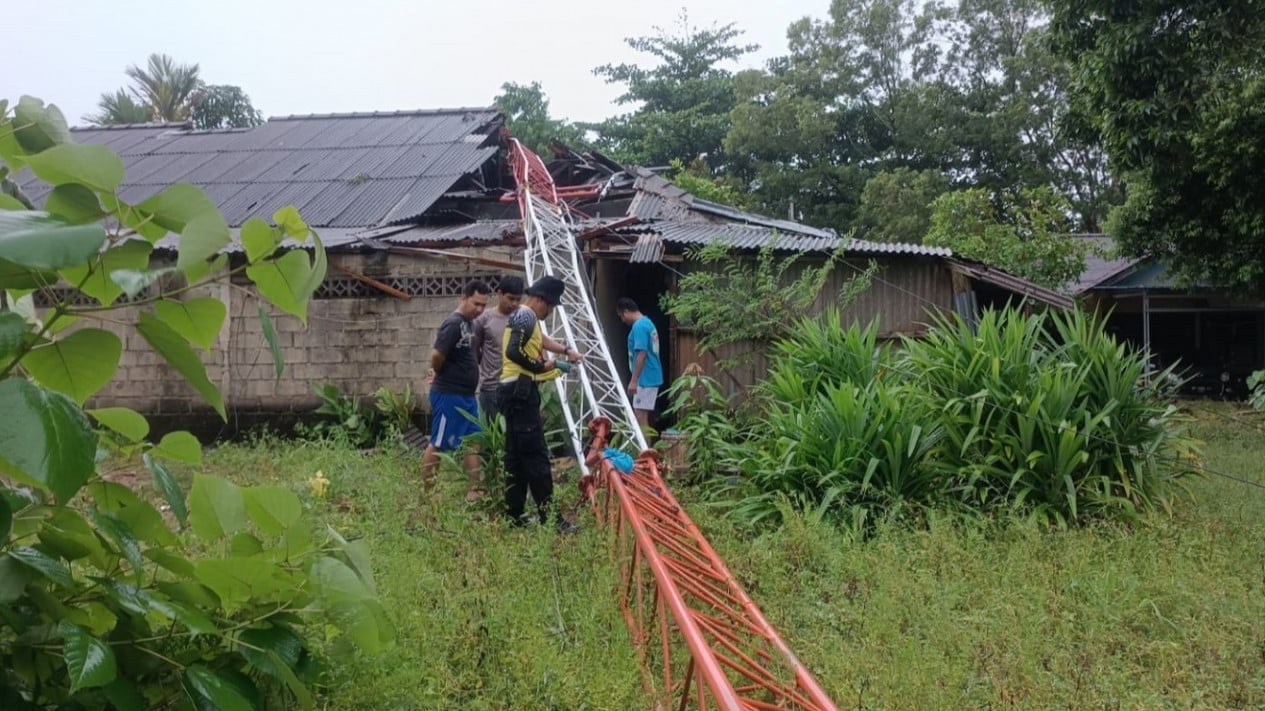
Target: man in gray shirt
(489, 333)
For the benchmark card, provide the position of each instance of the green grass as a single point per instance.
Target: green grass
(963, 614)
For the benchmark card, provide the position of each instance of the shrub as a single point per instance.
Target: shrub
(1046, 414)
(1050, 413)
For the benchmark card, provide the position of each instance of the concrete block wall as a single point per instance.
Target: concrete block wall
(357, 344)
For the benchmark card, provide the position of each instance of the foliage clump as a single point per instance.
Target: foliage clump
(1045, 415)
(105, 602)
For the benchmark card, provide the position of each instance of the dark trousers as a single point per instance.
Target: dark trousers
(490, 402)
(526, 453)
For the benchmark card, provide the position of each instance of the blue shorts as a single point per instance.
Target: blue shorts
(449, 423)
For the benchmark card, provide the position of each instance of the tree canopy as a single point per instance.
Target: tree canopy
(682, 101)
(167, 91)
(1175, 92)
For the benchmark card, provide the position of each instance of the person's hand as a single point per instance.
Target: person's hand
(632, 387)
(574, 355)
(430, 377)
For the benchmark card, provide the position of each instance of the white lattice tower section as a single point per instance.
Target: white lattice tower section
(596, 388)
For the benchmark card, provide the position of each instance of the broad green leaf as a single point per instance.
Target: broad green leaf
(94, 166)
(39, 127)
(13, 331)
(75, 204)
(13, 579)
(134, 281)
(67, 534)
(45, 439)
(180, 446)
(296, 542)
(357, 553)
(193, 619)
(176, 351)
(205, 270)
(140, 516)
(273, 508)
(173, 562)
(124, 421)
(202, 238)
(38, 241)
(130, 217)
(6, 521)
(123, 696)
(216, 507)
(276, 651)
(118, 533)
(189, 593)
(171, 491)
(78, 365)
(237, 579)
(319, 266)
(270, 335)
(281, 641)
(130, 597)
(42, 564)
(335, 582)
(245, 544)
(89, 660)
(15, 277)
(8, 202)
(176, 206)
(287, 218)
(131, 256)
(198, 320)
(283, 281)
(259, 239)
(213, 690)
(365, 622)
(97, 618)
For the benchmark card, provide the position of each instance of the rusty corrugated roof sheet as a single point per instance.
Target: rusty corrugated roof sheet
(1012, 283)
(339, 170)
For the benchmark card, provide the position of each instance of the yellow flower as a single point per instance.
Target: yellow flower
(318, 484)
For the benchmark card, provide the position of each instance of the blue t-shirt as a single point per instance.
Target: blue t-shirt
(645, 337)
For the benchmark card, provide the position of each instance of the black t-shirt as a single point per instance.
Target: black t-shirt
(460, 373)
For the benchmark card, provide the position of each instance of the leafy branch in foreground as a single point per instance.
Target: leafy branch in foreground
(104, 602)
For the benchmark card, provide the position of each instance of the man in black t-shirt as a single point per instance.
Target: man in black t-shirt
(453, 407)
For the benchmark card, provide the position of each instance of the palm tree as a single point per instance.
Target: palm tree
(161, 91)
(165, 87)
(117, 108)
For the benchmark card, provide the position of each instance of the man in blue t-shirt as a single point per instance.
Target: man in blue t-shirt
(643, 359)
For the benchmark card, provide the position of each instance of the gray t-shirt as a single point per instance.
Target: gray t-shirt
(489, 333)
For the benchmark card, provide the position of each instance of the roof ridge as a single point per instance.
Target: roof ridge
(126, 126)
(387, 114)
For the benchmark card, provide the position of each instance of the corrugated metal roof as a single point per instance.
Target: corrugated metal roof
(861, 246)
(736, 215)
(648, 250)
(1101, 264)
(738, 236)
(1012, 283)
(340, 170)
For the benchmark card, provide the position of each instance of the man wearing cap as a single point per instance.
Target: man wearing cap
(523, 368)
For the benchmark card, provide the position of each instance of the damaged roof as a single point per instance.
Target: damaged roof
(339, 170)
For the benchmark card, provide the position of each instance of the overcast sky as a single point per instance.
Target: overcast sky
(320, 56)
